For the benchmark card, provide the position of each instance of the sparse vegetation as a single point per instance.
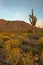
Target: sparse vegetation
(21, 50)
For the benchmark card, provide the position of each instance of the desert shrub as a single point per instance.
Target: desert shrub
(20, 62)
(14, 43)
(29, 31)
(1, 43)
(35, 51)
(41, 56)
(14, 56)
(21, 37)
(40, 42)
(30, 36)
(24, 47)
(5, 38)
(11, 54)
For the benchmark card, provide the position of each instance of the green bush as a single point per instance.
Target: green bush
(40, 42)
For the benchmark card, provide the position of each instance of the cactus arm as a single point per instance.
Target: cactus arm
(30, 20)
(30, 16)
(35, 20)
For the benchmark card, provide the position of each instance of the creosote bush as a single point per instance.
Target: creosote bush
(40, 42)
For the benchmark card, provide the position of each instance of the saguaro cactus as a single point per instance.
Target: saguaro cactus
(33, 21)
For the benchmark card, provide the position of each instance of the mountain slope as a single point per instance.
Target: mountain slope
(16, 26)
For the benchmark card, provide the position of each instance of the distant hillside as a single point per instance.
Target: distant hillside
(14, 26)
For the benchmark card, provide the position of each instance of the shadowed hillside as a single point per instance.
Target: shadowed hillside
(15, 26)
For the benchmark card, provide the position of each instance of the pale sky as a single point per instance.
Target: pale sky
(20, 10)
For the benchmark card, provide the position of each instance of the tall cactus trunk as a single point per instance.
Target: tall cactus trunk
(33, 32)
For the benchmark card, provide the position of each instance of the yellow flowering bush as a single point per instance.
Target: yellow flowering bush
(40, 41)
